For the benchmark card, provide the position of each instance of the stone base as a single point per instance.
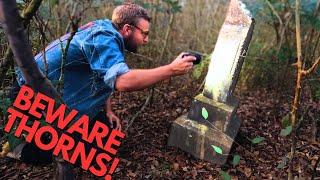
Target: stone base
(220, 114)
(196, 139)
(195, 134)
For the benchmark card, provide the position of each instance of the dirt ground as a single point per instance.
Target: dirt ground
(144, 153)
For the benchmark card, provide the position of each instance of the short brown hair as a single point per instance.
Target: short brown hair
(129, 13)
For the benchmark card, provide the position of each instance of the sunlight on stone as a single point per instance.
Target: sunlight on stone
(227, 57)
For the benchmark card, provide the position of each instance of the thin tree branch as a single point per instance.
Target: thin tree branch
(315, 46)
(74, 24)
(295, 105)
(140, 55)
(45, 24)
(171, 20)
(298, 31)
(312, 68)
(30, 11)
(282, 33)
(27, 15)
(141, 110)
(14, 30)
(316, 11)
(314, 172)
(274, 12)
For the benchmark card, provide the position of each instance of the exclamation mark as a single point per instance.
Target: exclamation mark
(112, 168)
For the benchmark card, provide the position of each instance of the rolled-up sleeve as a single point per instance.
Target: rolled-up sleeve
(116, 70)
(104, 51)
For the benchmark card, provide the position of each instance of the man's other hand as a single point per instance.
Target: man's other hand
(112, 118)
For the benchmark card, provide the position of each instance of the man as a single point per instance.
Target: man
(95, 64)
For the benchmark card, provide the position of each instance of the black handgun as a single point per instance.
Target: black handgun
(195, 54)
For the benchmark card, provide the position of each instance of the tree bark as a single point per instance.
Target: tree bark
(296, 100)
(301, 73)
(27, 15)
(14, 30)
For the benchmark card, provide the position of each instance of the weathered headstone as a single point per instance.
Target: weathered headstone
(212, 120)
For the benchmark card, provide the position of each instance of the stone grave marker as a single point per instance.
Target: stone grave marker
(212, 120)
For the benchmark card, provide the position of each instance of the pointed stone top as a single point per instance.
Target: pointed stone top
(238, 14)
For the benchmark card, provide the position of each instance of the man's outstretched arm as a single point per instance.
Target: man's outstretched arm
(138, 79)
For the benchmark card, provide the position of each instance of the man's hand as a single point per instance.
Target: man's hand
(182, 65)
(113, 118)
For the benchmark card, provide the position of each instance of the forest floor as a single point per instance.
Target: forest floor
(144, 153)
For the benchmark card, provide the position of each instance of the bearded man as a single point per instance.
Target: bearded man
(95, 66)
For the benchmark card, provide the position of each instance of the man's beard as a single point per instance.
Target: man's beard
(130, 45)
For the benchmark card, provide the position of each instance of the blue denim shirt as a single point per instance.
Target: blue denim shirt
(95, 58)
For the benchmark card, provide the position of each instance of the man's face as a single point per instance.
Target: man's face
(139, 36)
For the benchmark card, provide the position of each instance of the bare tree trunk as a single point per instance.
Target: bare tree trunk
(166, 39)
(14, 29)
(27, 15)
(295, 105)
(300, 74)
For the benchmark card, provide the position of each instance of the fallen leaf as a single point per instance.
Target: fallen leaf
(194, 173)
(185, 169)
(175, 166)
(225, 175)
(286, 131)
(257, 140)
(217, 149)
(205, 113)
(155, 163)
(131, 174)
(236, 160)
(247, 172)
